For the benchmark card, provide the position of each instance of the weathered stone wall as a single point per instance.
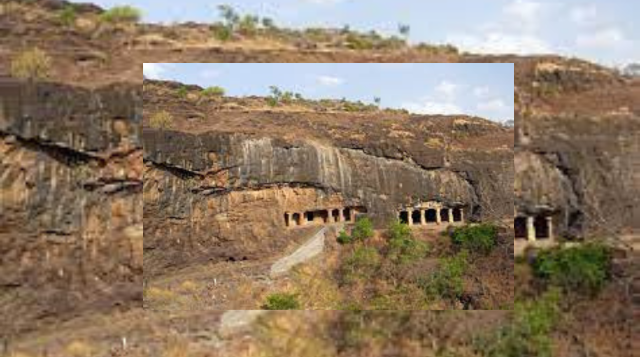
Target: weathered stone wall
(223, 195)
(584, 168)
(71, 211)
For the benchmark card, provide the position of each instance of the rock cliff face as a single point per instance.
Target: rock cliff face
(577, 141)
(220, 189)
(71, 212)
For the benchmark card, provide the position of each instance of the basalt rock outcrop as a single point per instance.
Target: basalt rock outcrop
(577, 146)
(71, 212)
(219, 187)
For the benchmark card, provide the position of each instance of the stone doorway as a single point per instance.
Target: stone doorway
(520, 227)
(431, 216)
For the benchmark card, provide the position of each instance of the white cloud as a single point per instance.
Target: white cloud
(584, 15)
(481, 92)
(502, 42)
(524, 12)
(154, 70)
(330, 81)
(516, 31)
(210, 73)
(606, 38)
(494, 105)
(324, 2)
(447, 89)
(427, 106)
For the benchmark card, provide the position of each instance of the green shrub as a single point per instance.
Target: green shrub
(281, 301)
(275, 97)
(583, 268)
(214, 91)
(182, 92)
(530, 332)
(358, 42)
(344, 238)
(33, 64)
(222, 33)
(480, 238)
(121, 14)
(447, 281)
(248, 25)
(363, 263)
(67, 16)
(363, 229)
(161, 120)
(403, 248)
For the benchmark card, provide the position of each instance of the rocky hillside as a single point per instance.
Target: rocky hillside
(577, 141)
(219, 181)
(71, 220)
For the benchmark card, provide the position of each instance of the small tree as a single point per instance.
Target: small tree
(121, 14)
(404, 30)
(230, 16)
(275, 97)
(33, 64)
(268, 23)
(248, 25)
(403, 248)
(363, 230)
(377, 100)
(161, 120)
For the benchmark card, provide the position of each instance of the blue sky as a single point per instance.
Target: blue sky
(477, 89)
(605, 31)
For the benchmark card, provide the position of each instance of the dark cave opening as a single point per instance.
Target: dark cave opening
(432, 216)
(520, 227)
(404, 217)
(415, 216)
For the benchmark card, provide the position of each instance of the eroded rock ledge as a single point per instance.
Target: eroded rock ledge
(219, 195)
(71, 221)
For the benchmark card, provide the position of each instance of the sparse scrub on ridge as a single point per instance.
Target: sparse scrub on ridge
(121, 14)
(32, 64)
(214, 91)
(161, 120)
(182, 92)
(68, 15)
(277, 96)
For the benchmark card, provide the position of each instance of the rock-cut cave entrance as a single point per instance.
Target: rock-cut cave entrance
(296, 219)
(415, 216)
(520, 227)
(444, 215)
(457, 214)
(336, 215)
(347, 214)
(542, 227)
(431, 216)
(404, 217)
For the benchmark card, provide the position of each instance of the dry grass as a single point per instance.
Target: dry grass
(32, 64)
(291, 335)
(79, 349)
(161, 120)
